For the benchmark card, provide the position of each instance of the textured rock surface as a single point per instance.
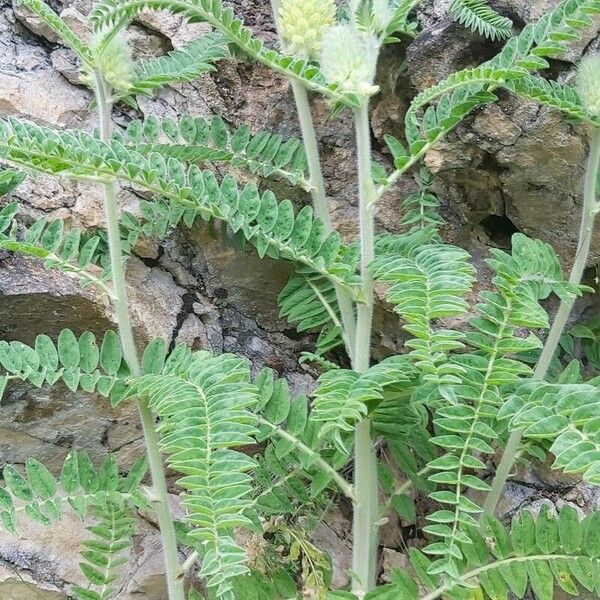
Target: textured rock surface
(46, 560)
(511, 166)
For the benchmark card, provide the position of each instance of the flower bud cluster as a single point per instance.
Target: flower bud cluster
(347, 53)
(303, 23)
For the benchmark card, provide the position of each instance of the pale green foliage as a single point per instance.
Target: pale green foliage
(388, 17)
(205, 404)
(37, 493)
(579, 345)
(110, 54)
(400, 22)
(271, 226)
(195, 139)
(69, 252)
(80, 363)
(309, 300)
(465, 428)
(537, 553)
(116, 14)
(336, 406)
(374, 16)
(66, 34)
(466, 90)
(105, 552)
(566, 415)
(178, 66)
(478, 16)
(427, 282)
(9, 180)
(295, 436)
(102, 495)
(437, 412)
(281, 488)
(420, 209)
(548, 92)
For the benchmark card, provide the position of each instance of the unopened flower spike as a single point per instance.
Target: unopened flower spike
(303, 23)
(114, 61)
(349, 58)
(588, 83)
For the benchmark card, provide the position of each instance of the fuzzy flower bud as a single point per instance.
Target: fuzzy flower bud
(303, 23)
(588, 84)
(349, 59)
(114, 61)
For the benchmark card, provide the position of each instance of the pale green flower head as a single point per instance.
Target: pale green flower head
(303, 23)
(113, 60)
(588, 83)
(116, 63)
(349, 58)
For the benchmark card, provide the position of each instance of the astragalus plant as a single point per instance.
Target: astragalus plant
(439, 411)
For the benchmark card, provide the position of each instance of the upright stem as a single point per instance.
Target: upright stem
(586, 228)
(319, 198)
(366, 509)
(318, 192)
(309, 137)
(160, 492)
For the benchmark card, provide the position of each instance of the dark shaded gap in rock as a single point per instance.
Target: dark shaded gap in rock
(187, 308)
(499, 229)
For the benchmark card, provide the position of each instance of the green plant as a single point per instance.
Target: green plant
(434, 412)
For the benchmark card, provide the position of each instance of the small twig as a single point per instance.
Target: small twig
(187, 565)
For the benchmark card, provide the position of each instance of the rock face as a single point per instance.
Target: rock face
(44, 561)
(511, 166)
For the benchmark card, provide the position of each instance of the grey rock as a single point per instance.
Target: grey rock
(33, 23)
(49, 559)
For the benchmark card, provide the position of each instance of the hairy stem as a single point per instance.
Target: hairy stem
(318, 192)
(586, 228)
(160, 492)
(319, 199)
(366, 509)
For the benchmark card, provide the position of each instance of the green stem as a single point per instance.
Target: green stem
(317, 184)
(367, 195)
(309, 138)
(319, 198)
(160, 492)
(586, 228)
(366, 508)
(316, 458)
